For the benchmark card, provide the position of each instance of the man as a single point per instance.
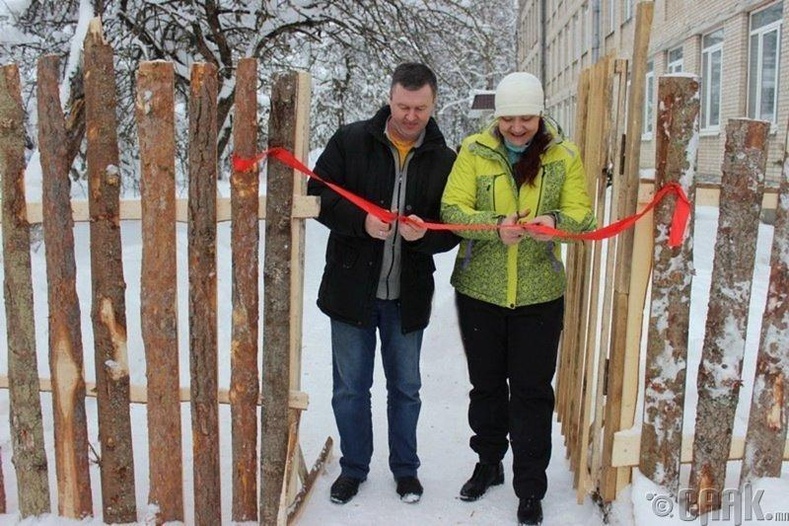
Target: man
(379, 275)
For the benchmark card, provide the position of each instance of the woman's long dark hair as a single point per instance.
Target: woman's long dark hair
(528, 166)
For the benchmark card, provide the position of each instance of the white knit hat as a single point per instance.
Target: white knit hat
(519, 93)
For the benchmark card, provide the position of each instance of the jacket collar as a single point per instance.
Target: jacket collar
(431, 136)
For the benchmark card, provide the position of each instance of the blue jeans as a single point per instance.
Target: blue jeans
(353, 358)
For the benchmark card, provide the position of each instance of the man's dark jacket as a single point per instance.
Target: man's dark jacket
(359, 158)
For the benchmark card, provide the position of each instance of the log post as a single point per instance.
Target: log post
(677, 134)
(65, 336)
(245, 235)
(27, 431)
(108, 310)
(719, 377)
(154, 108)
(278, 314)
(769, 413)
(202, 293)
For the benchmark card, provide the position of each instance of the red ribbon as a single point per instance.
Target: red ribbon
(679, 219)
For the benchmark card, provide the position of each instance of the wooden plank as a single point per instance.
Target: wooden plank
(301, 140)
(719, 377)
(138, 394)
(203, 366)
(108, 311)
(627, 449)
(600, 165)
(569, 333)
(615, 155)
(304, 206)
(65, 337)
(277, 318)
(767, 424)
(159, 293)
(672, 275)
(245, 236)
(27, 430)
(609, 480)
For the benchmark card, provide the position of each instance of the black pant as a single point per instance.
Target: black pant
(520, 346)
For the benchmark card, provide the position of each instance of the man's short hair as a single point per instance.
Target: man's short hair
(413, 76)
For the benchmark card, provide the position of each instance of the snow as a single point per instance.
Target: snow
(443, 435)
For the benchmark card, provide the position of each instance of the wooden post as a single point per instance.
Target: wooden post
(108, 310)
(154, 108)
(769, 414)
(677, 134)
(65, 336)
(245, 379)
(202, 293)
(279, 318)
(624, 248)
(719, 378)
(27, 431)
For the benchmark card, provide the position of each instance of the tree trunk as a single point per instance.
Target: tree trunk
(109, 305)
(766, 436)
(245, 380)
(202, 293)
(65, 337)
(672, 275)
(158, 295)
(27, 431)
(719, 377)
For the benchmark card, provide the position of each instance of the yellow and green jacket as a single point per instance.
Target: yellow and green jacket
(481, 190)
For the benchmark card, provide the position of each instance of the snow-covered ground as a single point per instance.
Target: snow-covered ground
(443, 432)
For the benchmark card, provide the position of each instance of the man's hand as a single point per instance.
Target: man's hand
(377, 228)
(412, 230)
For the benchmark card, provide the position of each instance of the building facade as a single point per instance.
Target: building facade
(736, 47)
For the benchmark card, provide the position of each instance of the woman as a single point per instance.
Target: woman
(510, 283)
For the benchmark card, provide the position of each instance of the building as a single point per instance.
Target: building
(734, 46)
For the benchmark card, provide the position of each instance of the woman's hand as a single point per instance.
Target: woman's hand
(546, 220)
(510, 236)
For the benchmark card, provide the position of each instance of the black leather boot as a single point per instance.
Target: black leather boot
(485, 475)
(529, 512)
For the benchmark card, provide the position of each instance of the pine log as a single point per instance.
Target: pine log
(65, 337)
(277, 319)
(27, 431)
(672, 275)
(767, 425)
(158, 295)
(719, 377)
(202, 293)
(108, 310)
(245, 379)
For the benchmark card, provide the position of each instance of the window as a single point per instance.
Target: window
(763, 63)
(675, 60)
(611, 15)
(629, 9)
(649, 100)
(711, 60)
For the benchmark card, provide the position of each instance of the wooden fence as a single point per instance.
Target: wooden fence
(269, 478)
(599, 377)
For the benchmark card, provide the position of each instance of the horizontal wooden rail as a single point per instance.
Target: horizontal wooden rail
(304, 206)
(139, 393)
(627, 446)
(707, 194)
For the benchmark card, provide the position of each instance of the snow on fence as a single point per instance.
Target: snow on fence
(599, 381)
(280, 467)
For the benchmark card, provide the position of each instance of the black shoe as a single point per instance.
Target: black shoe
(485, 475)
(409, 489)
(344, 489)
(529, 512)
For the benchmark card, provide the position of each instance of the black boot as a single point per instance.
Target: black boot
(529, 512)
(344, 489)
(485, 475)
